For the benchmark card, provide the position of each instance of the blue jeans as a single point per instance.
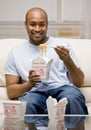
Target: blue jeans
(36, 100)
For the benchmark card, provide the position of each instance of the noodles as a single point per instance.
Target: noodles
(42, 48)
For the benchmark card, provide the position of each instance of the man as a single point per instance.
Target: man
(65, 75)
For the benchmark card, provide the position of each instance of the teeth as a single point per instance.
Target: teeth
(37, 35)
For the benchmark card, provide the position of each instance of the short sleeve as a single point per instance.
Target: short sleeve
(10, 65)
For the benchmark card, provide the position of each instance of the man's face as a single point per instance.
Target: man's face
(36, 26)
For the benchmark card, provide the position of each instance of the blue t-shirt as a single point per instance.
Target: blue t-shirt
(20, 58)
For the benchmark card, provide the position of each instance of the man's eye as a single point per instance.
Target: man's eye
(42, 25)
(32, 25)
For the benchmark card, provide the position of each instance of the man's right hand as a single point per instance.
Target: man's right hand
(33, 78)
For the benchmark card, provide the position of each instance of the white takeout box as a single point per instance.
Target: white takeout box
(42, 67)
(56, 110)
(14, 109)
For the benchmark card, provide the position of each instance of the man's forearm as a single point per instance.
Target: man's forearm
(75, 73)
(17, 90)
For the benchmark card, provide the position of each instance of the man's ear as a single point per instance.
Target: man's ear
(25, 24)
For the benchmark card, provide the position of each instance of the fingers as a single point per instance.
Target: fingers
(62, 49)
(33, 76)
(31, 71)
(62, 52)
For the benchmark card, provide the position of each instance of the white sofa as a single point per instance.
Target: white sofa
(82, 48)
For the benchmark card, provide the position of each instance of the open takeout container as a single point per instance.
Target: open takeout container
(42, 67)
(14, 109)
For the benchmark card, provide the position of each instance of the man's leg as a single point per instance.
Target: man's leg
(76, 100)
(36, 102)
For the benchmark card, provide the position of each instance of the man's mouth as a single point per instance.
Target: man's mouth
(36, 34)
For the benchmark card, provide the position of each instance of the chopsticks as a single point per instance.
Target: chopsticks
(50, 46)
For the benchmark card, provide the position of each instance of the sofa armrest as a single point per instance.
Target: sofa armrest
(3, 93)
(87, 93)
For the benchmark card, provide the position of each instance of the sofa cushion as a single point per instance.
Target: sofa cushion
(87, 93)
(6, 46)
(3, 93)
(82, 49)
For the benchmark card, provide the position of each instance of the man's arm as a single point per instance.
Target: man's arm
(75, 74)
(16, 89)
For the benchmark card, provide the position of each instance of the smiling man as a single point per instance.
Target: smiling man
(65, 75)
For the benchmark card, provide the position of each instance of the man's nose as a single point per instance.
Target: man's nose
(37, 27)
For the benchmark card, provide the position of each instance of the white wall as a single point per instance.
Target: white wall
(15, 10)
(65, 10)
(86, 19)
(71, 10)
